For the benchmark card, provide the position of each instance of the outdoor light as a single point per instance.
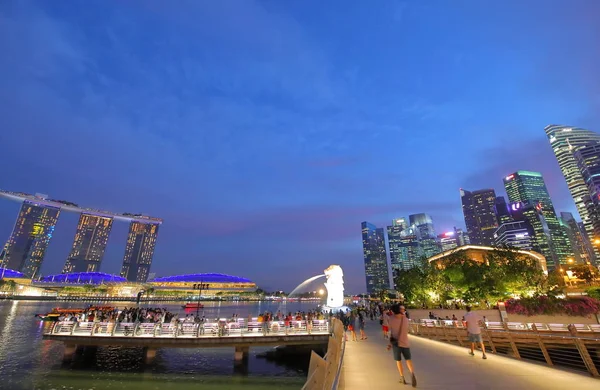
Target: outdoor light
(321, 292)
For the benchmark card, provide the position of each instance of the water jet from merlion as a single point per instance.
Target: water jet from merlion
(334, 286)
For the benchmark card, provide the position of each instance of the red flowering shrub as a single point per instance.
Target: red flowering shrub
(543, 305)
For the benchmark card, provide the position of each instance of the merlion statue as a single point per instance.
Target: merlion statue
(335, 286)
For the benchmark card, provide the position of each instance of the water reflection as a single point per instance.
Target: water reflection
(28, 362)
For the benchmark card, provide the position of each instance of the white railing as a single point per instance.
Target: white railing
(221, 328)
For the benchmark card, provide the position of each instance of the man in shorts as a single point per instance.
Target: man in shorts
(473, 320)
(398, 326)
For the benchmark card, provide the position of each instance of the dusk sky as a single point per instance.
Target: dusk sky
(264, 133)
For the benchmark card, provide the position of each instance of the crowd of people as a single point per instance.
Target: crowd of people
(393, 319)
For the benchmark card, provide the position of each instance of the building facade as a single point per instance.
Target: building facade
(452, 239)
(375, 258)
(514, 235)
(89, 243)
(502, 211)
(30, 237)
(564, 140)
(139, 251)
(582, 249)
(479, 210)
(528, 188)
(587, 157)
(427, 237)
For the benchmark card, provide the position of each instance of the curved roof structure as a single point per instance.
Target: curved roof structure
(538, 257)
(203, 278)
(10, 273)
(84, 278)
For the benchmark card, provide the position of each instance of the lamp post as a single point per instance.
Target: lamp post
(199, 287)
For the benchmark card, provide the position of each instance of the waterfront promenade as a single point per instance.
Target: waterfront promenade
(367, 365)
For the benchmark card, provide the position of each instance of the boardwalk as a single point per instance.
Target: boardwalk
(367, 365)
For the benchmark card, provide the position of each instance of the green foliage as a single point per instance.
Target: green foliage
(593, 292)
(585, 272)
(505, 273)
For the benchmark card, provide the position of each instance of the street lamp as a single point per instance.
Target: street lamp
(199, 287)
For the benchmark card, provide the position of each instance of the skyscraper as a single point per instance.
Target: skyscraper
(376, 267)
(479, 209)
(394, 240)
(502, 211)
(582, 248)
(514, 234)
(89, 244)
(139, 250)
(529, 188)
(452, 239)
(587, 157)
(427, 237)
(30, 237)
(564, 140)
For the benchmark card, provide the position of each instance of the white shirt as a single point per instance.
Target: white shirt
(472, 320)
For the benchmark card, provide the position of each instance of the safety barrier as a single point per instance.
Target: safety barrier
(221, 328)
(576, 346)
(324, 372)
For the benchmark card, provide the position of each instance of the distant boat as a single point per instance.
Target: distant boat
(58, 311)
(193, 305)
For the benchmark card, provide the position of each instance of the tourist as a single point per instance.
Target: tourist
(385, 323)
(399, 342)
(474, 331)
(351, 328)
(361, 326)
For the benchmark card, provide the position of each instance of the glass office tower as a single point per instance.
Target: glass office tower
(529, 188)
(427, 237)
(376, 266)
(89, 243)
(565, 140)
(139, 250)
(479, 209)
(30, 237)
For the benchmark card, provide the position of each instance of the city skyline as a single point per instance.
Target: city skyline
(263, 140)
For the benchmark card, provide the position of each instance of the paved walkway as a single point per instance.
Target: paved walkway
(368, 366)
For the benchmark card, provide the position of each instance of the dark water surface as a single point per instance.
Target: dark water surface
(28, 362)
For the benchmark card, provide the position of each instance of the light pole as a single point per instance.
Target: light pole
(199, 287)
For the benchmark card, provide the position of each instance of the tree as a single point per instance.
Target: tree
(585, 272)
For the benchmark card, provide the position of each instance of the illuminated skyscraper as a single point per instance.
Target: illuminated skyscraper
(587, 157)
(581, 246)
(427, 237)
(30, 237)
(376, 266)
(479, 209)
(502, 211)
(139, 250)
(452, 239)
(530, 189)
(89, 244)
(564, 141)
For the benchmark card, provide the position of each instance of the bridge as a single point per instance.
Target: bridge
(516, 358)
(241, 334)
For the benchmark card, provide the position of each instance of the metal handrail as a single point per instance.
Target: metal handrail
(194, 330)
(556, 344)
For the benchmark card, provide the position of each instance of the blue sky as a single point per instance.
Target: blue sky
(265, 132)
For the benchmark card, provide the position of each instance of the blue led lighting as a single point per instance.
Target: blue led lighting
(9, 273)
(208, 278)
(84, 278)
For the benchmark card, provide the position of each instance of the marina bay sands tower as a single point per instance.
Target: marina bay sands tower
(26, 247)
(89, 244)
